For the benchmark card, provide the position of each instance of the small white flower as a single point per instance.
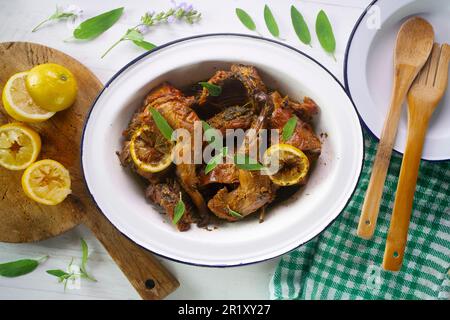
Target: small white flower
(150, 13)
(72, 9)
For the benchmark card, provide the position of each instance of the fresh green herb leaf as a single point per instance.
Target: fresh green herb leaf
(179, 210)
(289, 127)
(19, 267)
(244, 162)
(84, 258)
(162, 124)
(144, 44)
(215, 160)
(95, 26)
(300, 26)
(58, 273)
(271, 24)
(213, 90)
(133, 35)
(234, 213)
(84, 253)
(325, 33)
(246, 20)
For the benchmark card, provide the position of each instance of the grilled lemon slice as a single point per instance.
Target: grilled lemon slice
(150, 151)
(47, 182)
(293, 164)
(19, 146)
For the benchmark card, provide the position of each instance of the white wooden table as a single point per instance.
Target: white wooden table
(18, 17)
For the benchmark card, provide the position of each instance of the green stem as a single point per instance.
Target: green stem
(40, 24)
(110, 48)
(42, 259)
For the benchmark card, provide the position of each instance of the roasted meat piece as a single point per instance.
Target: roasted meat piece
(238, 87)
(255, 190)
(175, 108)
(166, 195)
(305, 110)
(304, 137)
(236, 117)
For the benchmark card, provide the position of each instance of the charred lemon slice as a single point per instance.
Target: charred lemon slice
(47, 182)
(150, 151)
(287, 165)
(19, 146)
(19, 104)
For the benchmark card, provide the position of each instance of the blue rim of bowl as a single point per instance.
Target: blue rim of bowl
(205, 36)
(346, 81)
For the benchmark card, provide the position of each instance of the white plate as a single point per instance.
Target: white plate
(121, 198)
(369, 69)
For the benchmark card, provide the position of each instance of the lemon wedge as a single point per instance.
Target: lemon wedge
(293, 164)
(47, 182)
(150, 151)
(18, 102)
(19, 146)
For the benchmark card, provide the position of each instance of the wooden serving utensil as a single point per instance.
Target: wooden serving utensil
(414, 43)
(425, 94)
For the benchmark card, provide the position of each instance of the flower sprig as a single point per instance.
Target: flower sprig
(179, 12)
(71, 11)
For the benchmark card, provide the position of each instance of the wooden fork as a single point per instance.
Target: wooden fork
(423, 97)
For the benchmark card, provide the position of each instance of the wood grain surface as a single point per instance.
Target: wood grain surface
(23, 220)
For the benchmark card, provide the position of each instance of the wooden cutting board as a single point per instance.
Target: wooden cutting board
(23, 220)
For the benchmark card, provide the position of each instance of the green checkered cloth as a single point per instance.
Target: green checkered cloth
(339, 265)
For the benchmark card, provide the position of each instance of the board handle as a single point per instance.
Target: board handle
(147, 275)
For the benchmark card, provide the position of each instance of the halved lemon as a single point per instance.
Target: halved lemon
(47, 182)
(150, 151)
(52, 86)
(18, 102)
(19, 146)
(290, 164)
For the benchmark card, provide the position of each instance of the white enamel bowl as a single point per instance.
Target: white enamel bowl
(369, 69)
(120, 196)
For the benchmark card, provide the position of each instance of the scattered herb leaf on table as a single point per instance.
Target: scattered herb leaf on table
(325, 33)
(95, 26)
(300, 26)
(271, 23)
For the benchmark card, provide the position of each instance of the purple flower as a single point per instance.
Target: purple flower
(142, 29)
(171, 19)
(150, 13)
(189, 8)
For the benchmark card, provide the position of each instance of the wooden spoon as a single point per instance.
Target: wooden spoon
(414, 43)
(425, 94)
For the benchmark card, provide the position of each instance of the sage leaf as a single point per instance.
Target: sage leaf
(84, 253)
(133, 35)
(162, 124)
(244, 162)
(271, 24)
(215, 160)
(84, 259)
(179, 210)
(300, 26)
(19, 267)
(325, 33)
(144, 44)
(95, 26)
(58, 273)
(234, 213)
(246, 20)
(213, 90)
(288, 128)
